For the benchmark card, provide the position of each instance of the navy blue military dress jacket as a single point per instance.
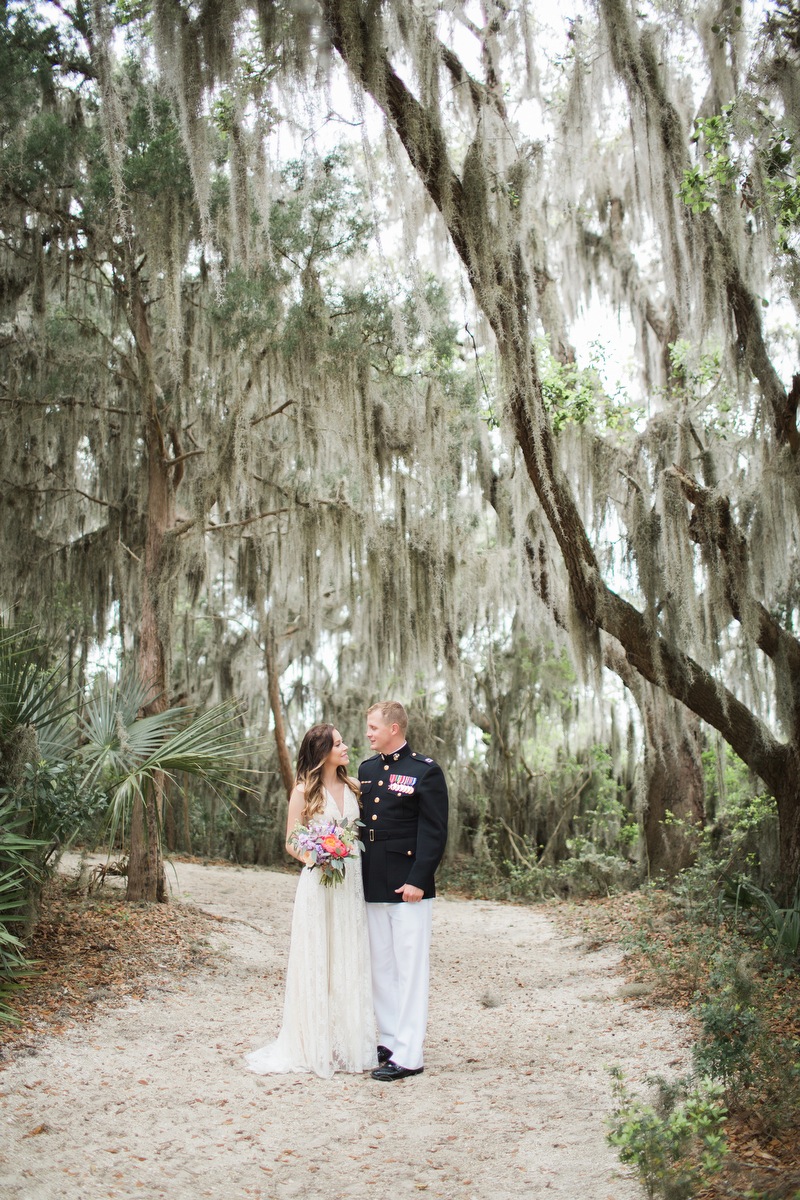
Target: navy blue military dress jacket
(404, 810)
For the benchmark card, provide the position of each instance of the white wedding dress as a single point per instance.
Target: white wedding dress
(328, 1021)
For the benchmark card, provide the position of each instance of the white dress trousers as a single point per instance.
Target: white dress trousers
(399, 943)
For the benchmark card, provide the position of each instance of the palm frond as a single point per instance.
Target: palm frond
(148, 735)
(122, 800)
(116, 739)
(210, 746)
(16, 871)
(56, 741)
(112, 704)
(29, 695)
(127, 757)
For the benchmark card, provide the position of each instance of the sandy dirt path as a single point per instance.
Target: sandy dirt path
(151, 1100)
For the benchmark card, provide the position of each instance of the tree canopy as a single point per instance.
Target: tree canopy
(297, 311)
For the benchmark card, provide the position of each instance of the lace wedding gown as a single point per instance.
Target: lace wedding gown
(328, 1022)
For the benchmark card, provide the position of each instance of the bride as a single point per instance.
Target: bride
(328, 1022)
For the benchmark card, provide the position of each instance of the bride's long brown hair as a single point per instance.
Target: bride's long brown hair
(314, 749)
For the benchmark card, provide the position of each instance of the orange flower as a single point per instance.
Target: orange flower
(334, 846)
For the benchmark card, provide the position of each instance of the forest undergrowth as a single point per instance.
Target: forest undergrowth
(98, 950)
(709, 959)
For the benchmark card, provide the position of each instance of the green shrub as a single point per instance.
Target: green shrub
(730, 1029)
(589, 873)
(741, 1043)
(57, 805)
(675, 1144)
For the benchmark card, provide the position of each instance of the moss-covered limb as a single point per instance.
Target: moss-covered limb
(418, 127)
(669, 668)
(657, 660)
(497, 269)
(712, 526)
(661, 663)
(480, 94)
(746, 310)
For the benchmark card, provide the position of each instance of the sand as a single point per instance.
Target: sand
(152, 1099)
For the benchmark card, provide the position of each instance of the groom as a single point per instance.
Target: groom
(404, 799)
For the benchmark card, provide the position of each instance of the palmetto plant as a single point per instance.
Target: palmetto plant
(34, 729)
(19, 870)
(781, 926)
(32, 701)
(38, 768)
(123, 751)
(57, 770)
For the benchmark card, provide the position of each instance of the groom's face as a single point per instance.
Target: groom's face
(381, 737)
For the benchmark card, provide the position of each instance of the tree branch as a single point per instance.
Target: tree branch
(65, 402)
(174, 462)
(712, 526)
(32, 489)
(275, 512)
(496, 269)
(128, 550)
(274, 413)
(184, 526)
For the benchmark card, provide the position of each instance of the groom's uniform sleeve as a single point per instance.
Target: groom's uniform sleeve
(431, 827)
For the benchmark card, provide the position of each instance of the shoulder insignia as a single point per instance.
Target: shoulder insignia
(428, 760)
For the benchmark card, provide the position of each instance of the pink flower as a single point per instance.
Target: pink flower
(334, 846)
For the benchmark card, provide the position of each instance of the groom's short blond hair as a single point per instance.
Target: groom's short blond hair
(392, 713)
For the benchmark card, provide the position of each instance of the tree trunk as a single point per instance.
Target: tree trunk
(187, 828)
(675, 800)
(146, 880)
(674, 784)
(273, 689)
(788, 797)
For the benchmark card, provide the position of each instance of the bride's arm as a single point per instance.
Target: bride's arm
(296, 802)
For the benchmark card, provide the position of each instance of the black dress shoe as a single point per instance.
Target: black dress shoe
(384, 1054)
(390, 1071)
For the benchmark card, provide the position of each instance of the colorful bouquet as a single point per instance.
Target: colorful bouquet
(329, 844)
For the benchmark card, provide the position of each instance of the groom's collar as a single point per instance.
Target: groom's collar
(395, 754)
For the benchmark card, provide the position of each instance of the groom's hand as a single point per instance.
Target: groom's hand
(409, 893)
